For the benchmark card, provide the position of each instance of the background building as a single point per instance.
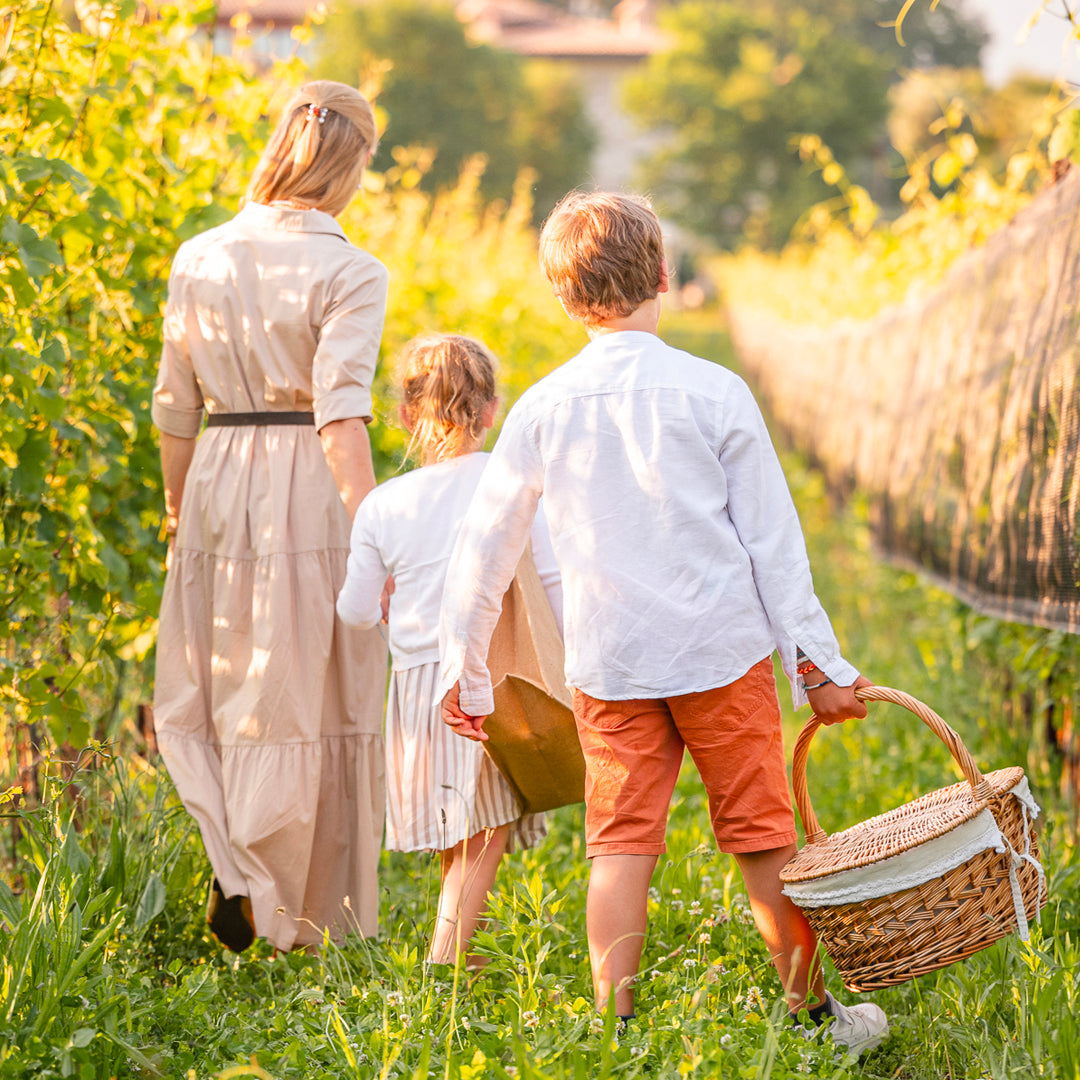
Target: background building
(599, 50)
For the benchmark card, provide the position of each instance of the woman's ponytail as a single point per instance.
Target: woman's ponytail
(318, 151)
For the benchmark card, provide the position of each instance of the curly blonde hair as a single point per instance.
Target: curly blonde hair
(319, 149)
(447, 381)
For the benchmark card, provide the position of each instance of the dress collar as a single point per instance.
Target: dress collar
(261, 216)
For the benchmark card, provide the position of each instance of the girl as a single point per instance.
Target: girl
(443, 792)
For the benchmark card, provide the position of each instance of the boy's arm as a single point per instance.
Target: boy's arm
(762, 511)
(482, 566)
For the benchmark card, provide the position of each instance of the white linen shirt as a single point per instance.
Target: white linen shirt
(407, 527)
(682, 559)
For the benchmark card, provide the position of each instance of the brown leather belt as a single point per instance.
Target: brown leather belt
(259, 419)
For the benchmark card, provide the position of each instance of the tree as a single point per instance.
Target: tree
(941, 36)
(742, 78)
(1001, 121)
(439, 90)
(736, 85)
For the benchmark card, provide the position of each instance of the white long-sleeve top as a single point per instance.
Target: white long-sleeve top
(682, 559)
(407, 527)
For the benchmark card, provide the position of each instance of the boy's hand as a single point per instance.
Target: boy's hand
(471, 727)
(834, 704)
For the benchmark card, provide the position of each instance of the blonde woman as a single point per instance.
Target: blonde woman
(268, 709)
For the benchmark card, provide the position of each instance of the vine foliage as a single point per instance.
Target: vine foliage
(121, 138)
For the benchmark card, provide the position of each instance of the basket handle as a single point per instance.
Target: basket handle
(980, 789)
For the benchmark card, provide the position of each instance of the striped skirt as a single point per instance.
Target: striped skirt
(440, 787)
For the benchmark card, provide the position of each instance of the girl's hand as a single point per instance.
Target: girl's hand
(834, 704)
(471, 727)
(384, 600)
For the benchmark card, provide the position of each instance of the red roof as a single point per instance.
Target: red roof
(528, 27)
(281, 12)
(580, 38)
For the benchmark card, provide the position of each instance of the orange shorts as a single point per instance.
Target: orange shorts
(634, 749)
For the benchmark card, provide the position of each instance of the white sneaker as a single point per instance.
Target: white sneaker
(858, 1027)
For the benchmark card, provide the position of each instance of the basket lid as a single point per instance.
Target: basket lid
(881, 837)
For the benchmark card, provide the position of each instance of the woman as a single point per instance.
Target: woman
(268, 708)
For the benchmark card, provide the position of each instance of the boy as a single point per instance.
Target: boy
(683, 567)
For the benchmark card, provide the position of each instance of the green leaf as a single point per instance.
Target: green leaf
(72, 855)
(39, 255)
(151, 903)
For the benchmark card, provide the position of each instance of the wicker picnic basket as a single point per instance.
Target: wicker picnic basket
(926, 884)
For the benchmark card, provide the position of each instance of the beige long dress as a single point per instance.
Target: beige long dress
(268, 708)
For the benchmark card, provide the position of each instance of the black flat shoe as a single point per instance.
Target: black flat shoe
(230, 919)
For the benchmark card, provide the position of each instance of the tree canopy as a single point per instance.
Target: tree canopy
(741, 81)
(438, 89)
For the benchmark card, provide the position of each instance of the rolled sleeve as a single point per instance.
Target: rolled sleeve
(177, 404)
(348, 345)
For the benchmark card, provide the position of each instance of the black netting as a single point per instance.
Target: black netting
(957, 412)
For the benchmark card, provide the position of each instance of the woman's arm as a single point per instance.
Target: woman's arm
(348, 453)
(176, 454)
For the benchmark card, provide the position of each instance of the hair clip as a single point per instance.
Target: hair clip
(318, 112)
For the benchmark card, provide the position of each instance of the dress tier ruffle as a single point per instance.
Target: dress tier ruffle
(268, 708)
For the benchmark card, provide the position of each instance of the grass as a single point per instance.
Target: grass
(107, 969)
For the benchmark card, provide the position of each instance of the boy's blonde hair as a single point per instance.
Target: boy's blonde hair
(447, 381)
(603, 254)
(319, 149)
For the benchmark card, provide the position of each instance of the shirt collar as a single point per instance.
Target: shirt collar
(620, 339)
(261, 216)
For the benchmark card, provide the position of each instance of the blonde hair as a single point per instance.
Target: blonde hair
(446, 382)
(318, 151)
(603, 254)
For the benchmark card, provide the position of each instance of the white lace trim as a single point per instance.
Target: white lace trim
(928, 861)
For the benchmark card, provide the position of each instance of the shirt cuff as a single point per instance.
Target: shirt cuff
(182, 423)
(350, 404)
(477, 699)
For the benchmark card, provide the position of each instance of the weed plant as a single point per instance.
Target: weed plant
(108, 970)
